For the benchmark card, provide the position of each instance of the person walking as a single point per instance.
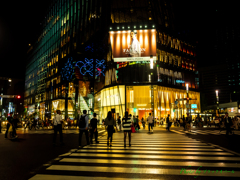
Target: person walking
(143, 123)
(15, 121)
(184, 123)
(119, 123)
(235, 123)
(126, 122)
(150, 122)
(110, 123)
(57, 123)
(137, 123)
(83, 127)
(168, 123)
(94, 131)
(9, 123)
(228, 124)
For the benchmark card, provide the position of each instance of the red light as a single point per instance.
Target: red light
(18, 97)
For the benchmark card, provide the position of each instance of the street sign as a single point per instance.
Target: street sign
(7, 96)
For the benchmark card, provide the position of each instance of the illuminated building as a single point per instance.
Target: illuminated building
(82, 37)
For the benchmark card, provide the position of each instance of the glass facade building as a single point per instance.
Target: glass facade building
(84, 59)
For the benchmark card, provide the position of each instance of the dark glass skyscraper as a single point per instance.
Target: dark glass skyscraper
(103, 55)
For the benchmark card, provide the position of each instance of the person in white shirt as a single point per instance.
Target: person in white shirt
(150, 122)
(57, 122)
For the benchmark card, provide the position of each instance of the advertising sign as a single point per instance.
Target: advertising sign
(194, 106)
(135, 45)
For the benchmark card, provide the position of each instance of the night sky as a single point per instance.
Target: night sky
(20, 25)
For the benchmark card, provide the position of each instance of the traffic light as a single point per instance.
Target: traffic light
(135, 109)
(18, 97)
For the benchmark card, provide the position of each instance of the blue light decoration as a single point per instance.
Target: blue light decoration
(68, 70)
(87, 67)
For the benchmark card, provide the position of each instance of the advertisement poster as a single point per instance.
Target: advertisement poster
(135, 45)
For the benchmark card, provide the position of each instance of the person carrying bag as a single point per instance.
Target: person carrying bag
(110, 123)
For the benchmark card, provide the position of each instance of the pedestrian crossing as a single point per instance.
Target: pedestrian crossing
(204, 132)
(46, 131)
(155, 156)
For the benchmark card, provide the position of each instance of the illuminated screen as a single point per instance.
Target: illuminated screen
(135, 45)
(193, 106)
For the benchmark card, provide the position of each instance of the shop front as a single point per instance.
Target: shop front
(110, 99)
(142, 100)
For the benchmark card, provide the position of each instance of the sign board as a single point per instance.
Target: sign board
(194, 106)
(7, 96)
(180, 81)
(135, 45)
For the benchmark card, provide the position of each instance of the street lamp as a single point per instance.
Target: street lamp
(187, 88)
(217, 111)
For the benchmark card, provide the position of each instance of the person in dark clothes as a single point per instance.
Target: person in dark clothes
(9, 123)
(15, 121)
(93, 124)
(110, 123)
(119, 123)
(228, 123)
(168, 123)
(184, 123)
(83, 127)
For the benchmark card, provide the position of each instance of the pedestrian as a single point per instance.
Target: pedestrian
(119, 123)
(93, 123)
(57, 123)
(83, 127)
(235, 123)
(126, 121)
(15, 121)
(184, 123)
(168, 123)
(150, 122)
(110, 123)
(228, 123)
(143, 123)
(134, 122)
(137, 121)
(9, 123)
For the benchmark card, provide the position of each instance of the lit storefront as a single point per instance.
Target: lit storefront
(109, 99)
(139, 101)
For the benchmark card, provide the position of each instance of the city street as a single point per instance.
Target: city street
(157, 155)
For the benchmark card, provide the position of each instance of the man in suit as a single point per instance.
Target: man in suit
(228, 123)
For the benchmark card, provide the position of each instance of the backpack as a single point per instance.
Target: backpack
(82, 123)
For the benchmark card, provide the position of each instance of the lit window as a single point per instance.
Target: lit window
(131, 97)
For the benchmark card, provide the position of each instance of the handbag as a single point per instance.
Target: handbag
(133, 129)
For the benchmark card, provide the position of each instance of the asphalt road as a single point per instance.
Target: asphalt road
(33, 151)
(23, 157)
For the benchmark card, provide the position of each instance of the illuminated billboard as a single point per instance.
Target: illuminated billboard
(135, 45)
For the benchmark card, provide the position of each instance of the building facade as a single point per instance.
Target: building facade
(112, 56)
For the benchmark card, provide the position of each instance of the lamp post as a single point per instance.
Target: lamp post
(217, 111)
(187, 88)
(152, 98)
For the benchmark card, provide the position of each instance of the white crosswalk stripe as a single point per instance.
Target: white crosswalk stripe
(173, 156)
(204, 132)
